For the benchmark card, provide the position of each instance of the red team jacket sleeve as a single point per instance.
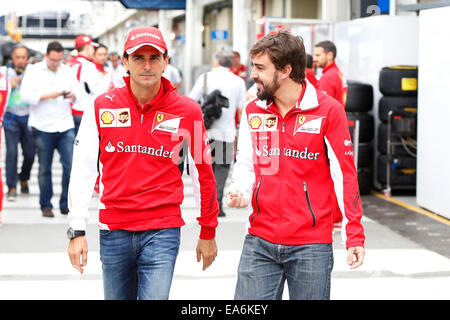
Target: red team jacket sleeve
(344, 175)
(202, 175)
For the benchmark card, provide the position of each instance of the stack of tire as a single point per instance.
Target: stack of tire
(358, 105)
(398, 84)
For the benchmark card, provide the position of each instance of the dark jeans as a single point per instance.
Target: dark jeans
(264, 267)
(77, 122)
(17, 131)
(138, 264)
(46, 143)
(222, 156)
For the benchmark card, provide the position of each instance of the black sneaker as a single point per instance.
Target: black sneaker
(12, 194)
(64, 211)
(24, 187)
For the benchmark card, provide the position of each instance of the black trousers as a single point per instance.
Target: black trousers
(222, 156)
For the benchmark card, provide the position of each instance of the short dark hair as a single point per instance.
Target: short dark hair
(54, 46)
(100, 46)
(309, 61)
(283, 49)
(328, 46)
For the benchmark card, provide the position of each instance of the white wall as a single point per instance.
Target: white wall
(433, 162)
(366, 45)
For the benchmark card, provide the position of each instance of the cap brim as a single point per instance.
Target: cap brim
(133, 49)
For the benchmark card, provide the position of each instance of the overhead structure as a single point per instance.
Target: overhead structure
(154, 4)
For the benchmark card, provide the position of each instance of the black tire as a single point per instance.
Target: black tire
(359, 97)
(365, 180)
(404, 106)
(365, 155)
(397, 146)
(398, 81)
(366, 126)
(403, 172)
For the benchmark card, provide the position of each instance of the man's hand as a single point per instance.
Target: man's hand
(236, 199)
(206, 250)
(69, 95)
(78, 253)
(357, 253)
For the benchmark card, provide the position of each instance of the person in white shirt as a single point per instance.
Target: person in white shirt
(99, 60)
(172, 74)
(223, 130)
(49, 87)
(87, 76)
(117, 70)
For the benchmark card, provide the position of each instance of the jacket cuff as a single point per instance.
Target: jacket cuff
(78, 224)
(207, 233)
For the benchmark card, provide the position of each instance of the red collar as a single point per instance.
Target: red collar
(331, 66)
(100, 67)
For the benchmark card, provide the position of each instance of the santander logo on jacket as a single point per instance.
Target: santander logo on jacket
(293, 168)
(138, 152)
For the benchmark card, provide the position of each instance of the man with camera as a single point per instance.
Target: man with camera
(221, 94)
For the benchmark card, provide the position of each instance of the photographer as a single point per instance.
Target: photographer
(222, 130)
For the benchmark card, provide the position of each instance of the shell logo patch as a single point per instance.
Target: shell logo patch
(107, 117)
(255, 122)
(115, 118)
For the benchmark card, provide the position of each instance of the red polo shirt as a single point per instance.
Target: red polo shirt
(332, 82)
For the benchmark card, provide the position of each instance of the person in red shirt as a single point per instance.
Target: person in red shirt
(132, 138)
(332, 83)
(332, 80)
(292, 160)
(237, 68)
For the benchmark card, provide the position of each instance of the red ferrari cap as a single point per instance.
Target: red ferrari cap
(144, 36)
(83, 40)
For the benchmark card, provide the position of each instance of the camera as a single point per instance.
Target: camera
(212, 107)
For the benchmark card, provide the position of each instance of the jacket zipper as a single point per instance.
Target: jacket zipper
(142, 118)
(309, 204)
(256, 200)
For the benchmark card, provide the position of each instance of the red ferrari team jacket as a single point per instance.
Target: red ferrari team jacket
(137, 151)
(333, 83)
(293, 168)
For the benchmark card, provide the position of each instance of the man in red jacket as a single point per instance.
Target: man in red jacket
(293, 160)
(332, 80)
(332, 83)
(133, 136)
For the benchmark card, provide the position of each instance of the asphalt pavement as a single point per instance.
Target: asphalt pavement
(407, 253)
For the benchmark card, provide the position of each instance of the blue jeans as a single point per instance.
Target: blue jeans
(264, 267)
(17, 131)
(138, 264)
(46, 143)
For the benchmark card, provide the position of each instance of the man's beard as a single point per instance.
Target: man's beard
(268, 90)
